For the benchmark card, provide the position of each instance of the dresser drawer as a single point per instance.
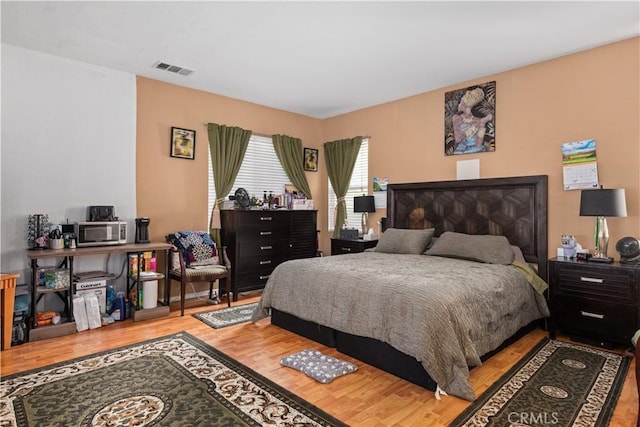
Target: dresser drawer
(262, 247)
(265, 219)
(350, 246)
(606, 321)
(261, 232)
(260, 263)
(252, 279)
(603, 284)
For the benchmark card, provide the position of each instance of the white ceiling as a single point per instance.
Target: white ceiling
(318, 59)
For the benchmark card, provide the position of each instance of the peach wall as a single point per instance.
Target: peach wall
(592, 94)
(173, 192)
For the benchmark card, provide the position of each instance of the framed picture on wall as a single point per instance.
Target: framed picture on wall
(183, 143)
(310, 160)
(470, 120)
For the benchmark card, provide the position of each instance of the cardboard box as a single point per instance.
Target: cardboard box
(97, 286)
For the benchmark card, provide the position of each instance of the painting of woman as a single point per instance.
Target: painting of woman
(469, 119)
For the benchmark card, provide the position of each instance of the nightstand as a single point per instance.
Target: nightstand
(594, 303)
(351, 246)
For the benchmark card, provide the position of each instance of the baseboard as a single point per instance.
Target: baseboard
(205, 294)
(202, 294)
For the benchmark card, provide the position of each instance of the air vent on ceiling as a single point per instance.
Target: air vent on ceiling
(172, 68)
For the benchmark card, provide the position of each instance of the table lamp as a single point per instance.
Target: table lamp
(602, 203)
(364, 204)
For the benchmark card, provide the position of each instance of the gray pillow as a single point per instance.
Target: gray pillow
(481, 248)
(404, 241)
(517, 254)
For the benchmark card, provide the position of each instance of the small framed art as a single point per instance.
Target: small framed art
(183, 143)
(310, 160)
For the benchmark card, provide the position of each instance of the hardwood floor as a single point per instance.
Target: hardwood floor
(368, 397)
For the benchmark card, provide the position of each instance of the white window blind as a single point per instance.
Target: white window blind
(260, 171)
(357, 187)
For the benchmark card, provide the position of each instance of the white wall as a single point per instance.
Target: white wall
(68, 141)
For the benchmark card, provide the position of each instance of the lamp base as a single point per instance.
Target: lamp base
(602, 238)
(365, 220)
(603, 260)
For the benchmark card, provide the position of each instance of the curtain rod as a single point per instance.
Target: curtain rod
(363, 137)
(271, 136)
(252, 132)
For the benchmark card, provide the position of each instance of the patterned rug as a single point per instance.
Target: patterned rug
(227, 316)
(556, 383)
(175, 380)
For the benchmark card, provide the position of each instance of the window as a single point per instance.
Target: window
(260, 171)
(357, 187)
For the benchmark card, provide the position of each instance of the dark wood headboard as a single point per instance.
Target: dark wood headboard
(514, 207)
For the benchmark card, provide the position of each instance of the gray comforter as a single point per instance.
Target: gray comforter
(444, 312)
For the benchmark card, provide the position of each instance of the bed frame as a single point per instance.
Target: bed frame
(515, 207)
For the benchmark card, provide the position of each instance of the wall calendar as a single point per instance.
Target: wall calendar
(579, 165)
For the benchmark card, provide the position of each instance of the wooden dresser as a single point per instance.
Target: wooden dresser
(257, 241)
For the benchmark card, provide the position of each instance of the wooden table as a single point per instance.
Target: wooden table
(8, 295)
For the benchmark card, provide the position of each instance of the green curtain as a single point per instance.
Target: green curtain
(227, 146)
(340, 158)
(289, 152)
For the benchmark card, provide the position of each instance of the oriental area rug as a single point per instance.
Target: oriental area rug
(175, 380)
(227, 316)
(556, 383)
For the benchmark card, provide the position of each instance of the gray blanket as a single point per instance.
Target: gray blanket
(444, 312)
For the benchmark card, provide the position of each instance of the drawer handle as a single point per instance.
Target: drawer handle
(265, 218)
(264, 277)
(591, 279)
(594, 315)
(346, 249)
(266, 233)
(265, 262)
(266, 247)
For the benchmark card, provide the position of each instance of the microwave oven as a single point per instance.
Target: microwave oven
(100, 233)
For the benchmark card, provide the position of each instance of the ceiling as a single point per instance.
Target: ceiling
(319, 59)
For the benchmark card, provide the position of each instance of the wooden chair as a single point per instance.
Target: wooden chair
(194, 272)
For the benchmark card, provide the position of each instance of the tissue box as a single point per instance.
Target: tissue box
(229, 205)
(302, 205)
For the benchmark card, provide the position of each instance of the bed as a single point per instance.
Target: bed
(424, 313)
